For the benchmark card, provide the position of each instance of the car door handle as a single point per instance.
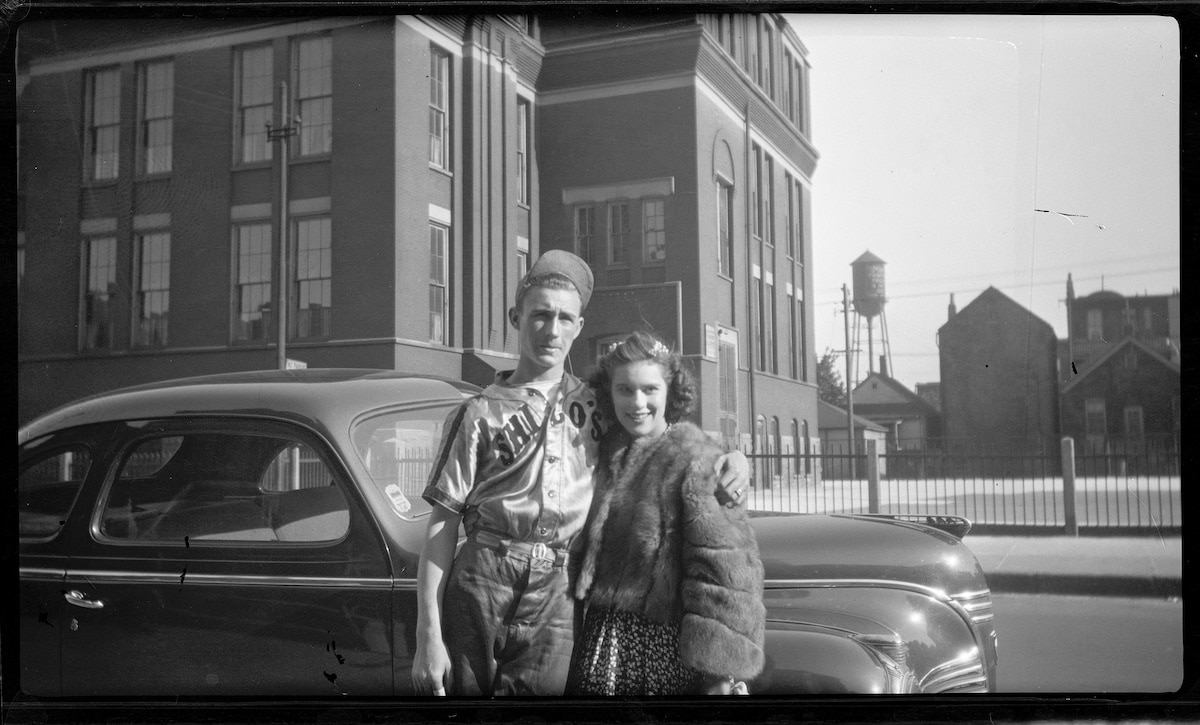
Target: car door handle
(78, 598)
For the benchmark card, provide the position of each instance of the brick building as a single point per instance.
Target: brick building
(1120, 371)
(999, 378)
(432, 158)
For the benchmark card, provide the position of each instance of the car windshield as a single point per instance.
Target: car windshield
(398, 447)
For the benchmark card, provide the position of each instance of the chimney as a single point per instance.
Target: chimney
(952, 310)
(883, 365)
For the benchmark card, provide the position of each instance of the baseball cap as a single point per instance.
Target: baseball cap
(564, 264)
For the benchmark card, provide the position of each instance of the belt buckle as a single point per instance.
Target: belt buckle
(539, 552)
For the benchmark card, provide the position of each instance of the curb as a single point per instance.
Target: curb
(1084, 585)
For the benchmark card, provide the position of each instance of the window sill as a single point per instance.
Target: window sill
(725, 277)
(157, 176)
(253, 165)
(312, 159)
(98, 183)
(441, 170)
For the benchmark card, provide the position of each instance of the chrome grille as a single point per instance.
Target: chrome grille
(978, 604)
(962, 674)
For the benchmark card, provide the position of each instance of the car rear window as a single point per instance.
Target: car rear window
(213, 486)
(47, 490)
(398, 449)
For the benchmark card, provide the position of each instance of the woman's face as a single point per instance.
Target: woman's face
(639, 394)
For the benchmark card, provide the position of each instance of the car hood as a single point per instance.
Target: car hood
(829, 547)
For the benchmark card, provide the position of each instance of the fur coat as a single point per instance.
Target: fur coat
(659, 544)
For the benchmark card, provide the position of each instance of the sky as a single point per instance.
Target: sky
(940, 136)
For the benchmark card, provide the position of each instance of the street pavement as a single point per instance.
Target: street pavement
(1128, 566)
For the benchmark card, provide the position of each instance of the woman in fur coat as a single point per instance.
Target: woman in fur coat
(671, 579)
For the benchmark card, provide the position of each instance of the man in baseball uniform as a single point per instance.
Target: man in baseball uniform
(514, 467)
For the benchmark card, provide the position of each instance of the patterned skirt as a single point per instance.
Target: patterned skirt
(621, 653)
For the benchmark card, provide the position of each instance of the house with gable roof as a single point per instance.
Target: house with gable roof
(911, 421)
(1127, 401)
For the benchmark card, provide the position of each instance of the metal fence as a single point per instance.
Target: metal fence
(1116, 491)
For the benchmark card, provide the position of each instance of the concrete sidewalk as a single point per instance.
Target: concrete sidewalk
(1146, 566)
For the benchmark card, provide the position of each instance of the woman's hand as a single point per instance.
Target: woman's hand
(734, 472)
(718, 685)
(431, 666)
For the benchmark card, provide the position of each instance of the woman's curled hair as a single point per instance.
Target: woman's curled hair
(638, 347)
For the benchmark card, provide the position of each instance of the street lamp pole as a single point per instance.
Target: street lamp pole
(283, 134)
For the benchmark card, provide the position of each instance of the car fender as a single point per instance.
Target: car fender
(804, 659)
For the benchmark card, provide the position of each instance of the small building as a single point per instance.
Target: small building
(1127, 402)
(999, 378)
(911, 421)
(835, 451)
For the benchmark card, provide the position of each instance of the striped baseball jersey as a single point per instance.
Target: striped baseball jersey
(493, 469)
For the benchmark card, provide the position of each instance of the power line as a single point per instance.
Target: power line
(1022, 285)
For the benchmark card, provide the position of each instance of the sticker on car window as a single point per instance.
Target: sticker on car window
(400, 502)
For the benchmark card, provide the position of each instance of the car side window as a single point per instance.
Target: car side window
(47, 490)
(205, 486)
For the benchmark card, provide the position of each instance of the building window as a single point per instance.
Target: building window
(1094, 417)
(758, 328)
(619, 232)
(770, 325)
(252, 293)
(798, 223)
(768, 203)
(585, 233)
(1095, 325)
(104, 123)
(153, 288)
(523, 177)
(607, 344)
(1134, 424)
(756, 51)
(789, 214)
(725, 229)
(769, 78)
(439, 277)
(793, 341)
(522, 258)
(654, 234)
(156, 88)
(785, 84)
(255, 75)
(1147, 319)
(439, 102)
(802, 335)
(727, 389)
(775, 446)
(314, 272)
(100, 255)
(314, 94)
(756, 193)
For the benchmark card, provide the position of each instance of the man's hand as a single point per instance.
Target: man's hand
(734, 472)
(431, 665)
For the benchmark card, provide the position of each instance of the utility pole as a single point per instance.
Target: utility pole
(283, 134)
(849, 394)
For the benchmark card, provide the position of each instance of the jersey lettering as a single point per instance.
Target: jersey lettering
(517, 431)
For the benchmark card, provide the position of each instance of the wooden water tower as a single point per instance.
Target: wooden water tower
(870, 294)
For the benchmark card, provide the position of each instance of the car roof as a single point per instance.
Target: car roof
(305, 395)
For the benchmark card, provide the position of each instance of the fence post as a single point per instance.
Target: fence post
(1068, 475)
(872, 476)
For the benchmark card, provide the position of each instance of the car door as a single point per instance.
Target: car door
(227, 557)
(51, 482)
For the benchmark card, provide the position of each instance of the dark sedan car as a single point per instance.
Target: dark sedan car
(258, 534)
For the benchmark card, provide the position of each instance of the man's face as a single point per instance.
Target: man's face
(547, 322)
